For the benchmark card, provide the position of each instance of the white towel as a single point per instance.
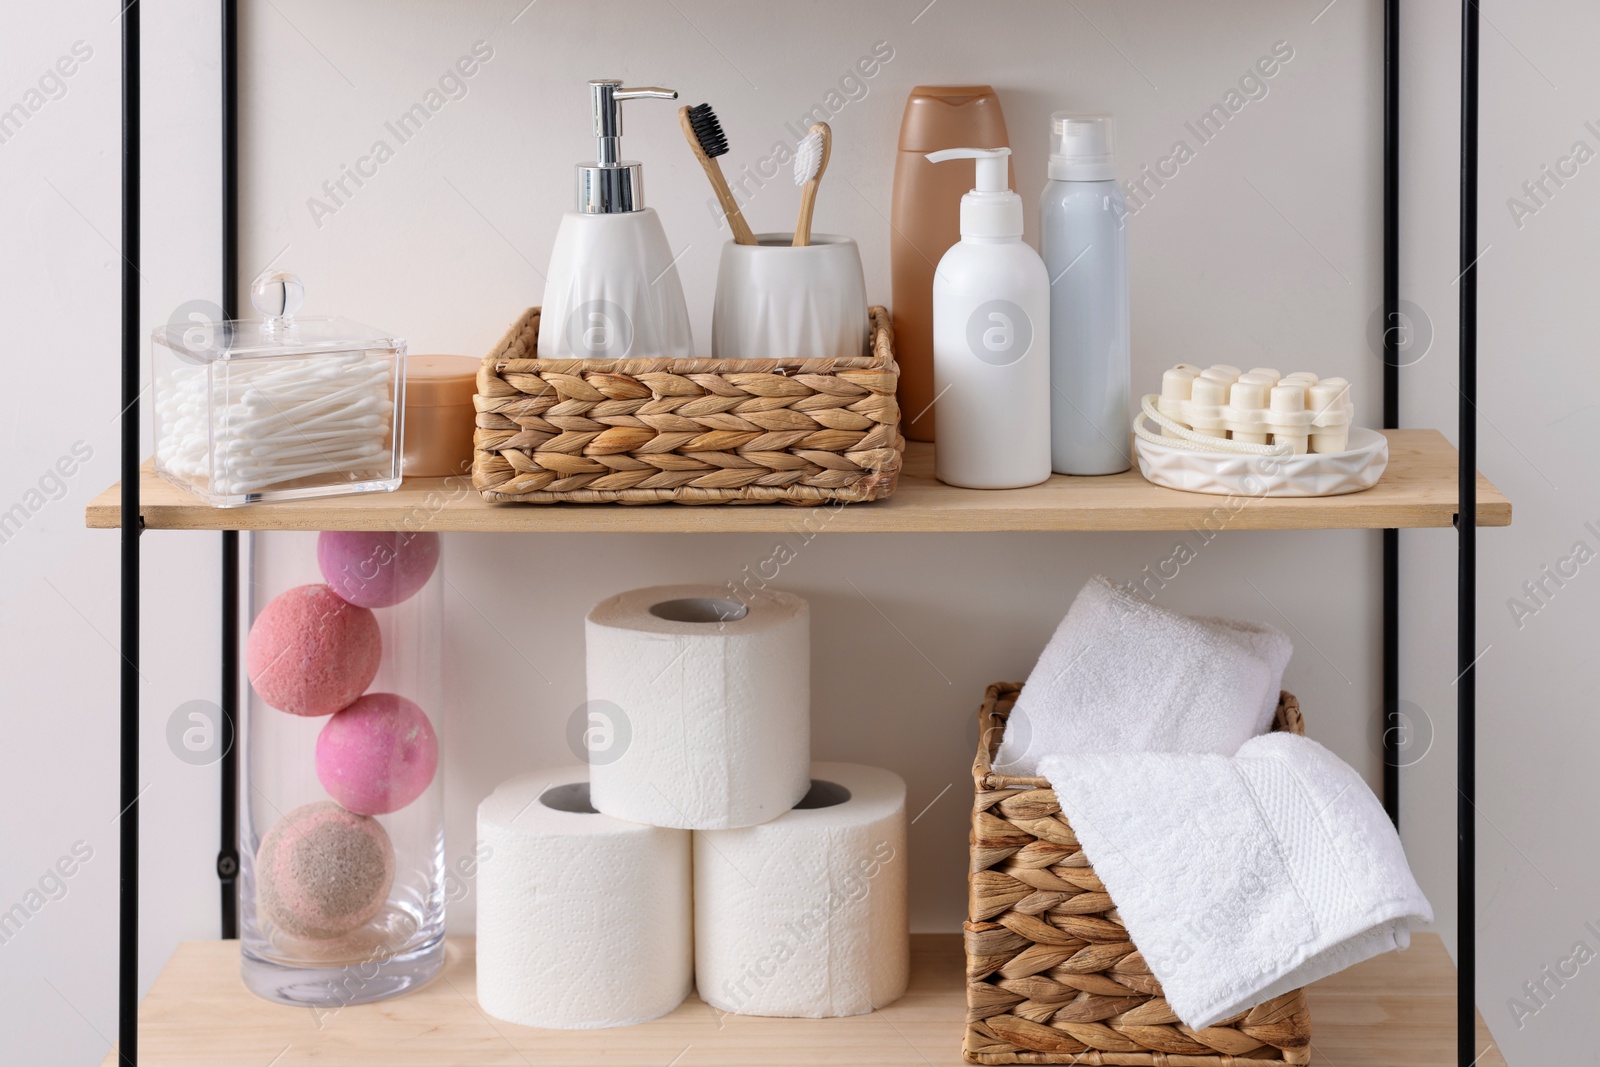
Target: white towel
(1243, 877)
(1122, 675)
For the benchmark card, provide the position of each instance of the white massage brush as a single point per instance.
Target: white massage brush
(810, 161)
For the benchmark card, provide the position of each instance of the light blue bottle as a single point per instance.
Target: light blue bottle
(1083, 238)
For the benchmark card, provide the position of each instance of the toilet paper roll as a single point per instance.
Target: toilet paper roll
(707, 702)
(584, 921)
(805, 916)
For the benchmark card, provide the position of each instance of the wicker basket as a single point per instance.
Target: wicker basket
(1051, 974)
(686, 431)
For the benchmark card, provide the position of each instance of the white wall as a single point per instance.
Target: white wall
(1263, 250)
(1537, 738)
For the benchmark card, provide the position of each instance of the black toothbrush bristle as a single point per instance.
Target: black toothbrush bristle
(708, 131)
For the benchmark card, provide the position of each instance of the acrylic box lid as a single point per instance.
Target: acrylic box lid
(277, 295)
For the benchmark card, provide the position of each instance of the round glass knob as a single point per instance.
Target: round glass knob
(277, 294)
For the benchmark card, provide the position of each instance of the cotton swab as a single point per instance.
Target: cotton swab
(250, 426)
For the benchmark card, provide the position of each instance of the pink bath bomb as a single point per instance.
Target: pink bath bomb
(311, 653)
(321, 871)
(376, 569)
(377, 755)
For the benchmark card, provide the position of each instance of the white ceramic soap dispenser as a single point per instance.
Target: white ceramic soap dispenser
(612, 290)
(991, 340)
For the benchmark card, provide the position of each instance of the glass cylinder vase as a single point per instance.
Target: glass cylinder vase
(342, 892)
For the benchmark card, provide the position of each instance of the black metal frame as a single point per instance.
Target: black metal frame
(1467, 558)
(1466, 520)
(228, 846)
(128, 832)
(1392, 329)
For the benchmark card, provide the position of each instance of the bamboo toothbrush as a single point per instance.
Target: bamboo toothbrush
(704, 134)
(810, 160)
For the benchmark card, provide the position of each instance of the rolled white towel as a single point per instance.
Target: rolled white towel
(1122, 675)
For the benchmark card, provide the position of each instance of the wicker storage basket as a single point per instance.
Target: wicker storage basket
(1051, 974)
(686, 431)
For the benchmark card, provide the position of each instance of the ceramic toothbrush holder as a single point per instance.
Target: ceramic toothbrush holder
(775, 301)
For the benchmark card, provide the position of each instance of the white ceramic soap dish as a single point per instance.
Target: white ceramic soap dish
(1228, 474)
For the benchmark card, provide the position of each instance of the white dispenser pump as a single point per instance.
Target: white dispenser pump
(991, 340)
(612, 290)
(610, 184)
(991, 209)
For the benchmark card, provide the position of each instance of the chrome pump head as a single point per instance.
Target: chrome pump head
(610, 184)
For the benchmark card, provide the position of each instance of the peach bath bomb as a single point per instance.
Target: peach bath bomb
(377, 568)
(377, 755)
(321, 871)
(311, 653)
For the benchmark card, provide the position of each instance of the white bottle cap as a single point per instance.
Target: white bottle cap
(991, 209)
(1080, 148)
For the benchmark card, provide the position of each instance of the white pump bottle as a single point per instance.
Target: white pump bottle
(612, 290)
(991, 340)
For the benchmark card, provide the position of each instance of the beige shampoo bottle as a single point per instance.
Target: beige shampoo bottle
(922, 226)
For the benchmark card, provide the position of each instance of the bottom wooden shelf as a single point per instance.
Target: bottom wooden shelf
(1393, 1010)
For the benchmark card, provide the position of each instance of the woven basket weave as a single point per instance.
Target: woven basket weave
(686, 431)
(1052, 976)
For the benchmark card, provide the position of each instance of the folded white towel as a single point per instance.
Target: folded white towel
(1122, 675)
(1243, 877)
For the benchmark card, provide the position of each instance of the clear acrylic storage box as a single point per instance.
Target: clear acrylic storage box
(280, 409)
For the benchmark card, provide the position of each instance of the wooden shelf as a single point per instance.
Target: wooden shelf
(1418, 489)
(1396, 1009)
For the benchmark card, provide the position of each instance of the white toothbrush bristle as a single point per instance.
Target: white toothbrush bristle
(807, 157)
